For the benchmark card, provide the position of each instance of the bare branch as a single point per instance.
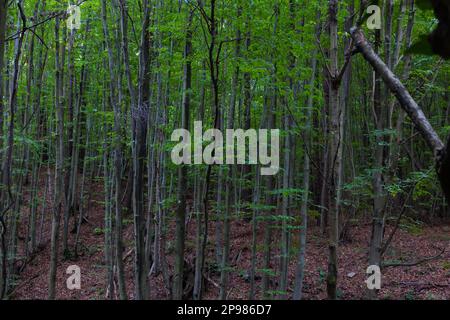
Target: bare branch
(415, 263)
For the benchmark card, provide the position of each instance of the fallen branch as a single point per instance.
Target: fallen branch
(422, 285)
(415, 263)
(23, 284)
(398, 89)
(211, 281)
(409, 105)
(128, 254)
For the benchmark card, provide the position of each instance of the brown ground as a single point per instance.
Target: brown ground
(429, 280)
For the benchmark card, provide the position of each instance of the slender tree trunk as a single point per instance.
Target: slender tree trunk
(229, 173)
(107, 185)
(69, 174)
(214, 71)
(182, 170)
(59, 172)
(395, 143)
(117, 158)
(139, 112)
(7, 199)
(334, 160)
(38, 82)
(3, 27)
(300, 272)
(198, 277)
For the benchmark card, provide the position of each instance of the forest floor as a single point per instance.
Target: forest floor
(428, 280)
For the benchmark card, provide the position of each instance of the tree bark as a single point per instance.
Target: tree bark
(300, 271)
(409, 105)
(3, 27)
(182, 170)
(117, 158)
(334, 155)
(59, 172)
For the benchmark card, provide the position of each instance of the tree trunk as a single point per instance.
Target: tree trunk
(440, 151)
(300, 272)
(59, 172)
(335, 144)
(3, 27)
(182, 170)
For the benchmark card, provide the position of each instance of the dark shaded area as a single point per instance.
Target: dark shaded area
(439, 39)
(443, 170)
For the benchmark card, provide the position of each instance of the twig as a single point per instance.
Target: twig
(423, 285)
(211, 280)
(415, 263)
(324, 57)
(397, 224)
(348, 58)
(50, 17)
(23, 284)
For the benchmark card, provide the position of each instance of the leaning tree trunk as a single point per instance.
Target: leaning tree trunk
(440, 150)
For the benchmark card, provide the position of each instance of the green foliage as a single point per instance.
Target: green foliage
(275, 293)
(438, 41)
(99, 231)
(269, 272)
(410, 295)
(322, 275)
(446, 265)
(294, 193)
(411, 226)
(313, 214)
(360, 185)
(275, 55)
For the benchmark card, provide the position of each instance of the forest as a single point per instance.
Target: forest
(224, 150)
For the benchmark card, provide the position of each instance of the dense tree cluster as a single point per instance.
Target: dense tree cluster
(89, 108)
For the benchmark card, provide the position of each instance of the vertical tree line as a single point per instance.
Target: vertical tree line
(87, 114)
